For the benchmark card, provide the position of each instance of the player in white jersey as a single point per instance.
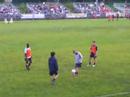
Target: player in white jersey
(78, 60)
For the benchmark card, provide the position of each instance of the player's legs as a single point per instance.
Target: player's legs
(53, 76)
(26, 63)
(94, 60)
(29, 63)
(77, 67)
(53, 79)
(56, 75)
(90, 58)
(77, 71)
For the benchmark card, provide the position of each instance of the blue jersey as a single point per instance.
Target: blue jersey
(53, 66)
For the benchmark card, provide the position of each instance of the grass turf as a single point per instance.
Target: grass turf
(110, 76)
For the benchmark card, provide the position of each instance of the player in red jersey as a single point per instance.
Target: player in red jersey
(93, 54)
(28, 56)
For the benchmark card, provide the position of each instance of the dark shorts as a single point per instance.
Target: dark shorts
(78, 65)
(93, 55)
(53, 73)
(28, 60)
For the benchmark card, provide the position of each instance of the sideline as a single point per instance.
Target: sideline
(116, 94)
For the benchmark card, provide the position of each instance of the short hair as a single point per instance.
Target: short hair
(27, 45)
(75, 52)
(94, 41)
(52, 54)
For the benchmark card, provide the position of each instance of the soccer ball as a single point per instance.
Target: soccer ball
(73, 71)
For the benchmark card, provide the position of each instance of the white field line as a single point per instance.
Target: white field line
(116, 94)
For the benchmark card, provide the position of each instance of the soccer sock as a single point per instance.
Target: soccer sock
(29, 66)
(76, 73)
(26, 66)
(94, 63)
(89, 63)
(56, 76)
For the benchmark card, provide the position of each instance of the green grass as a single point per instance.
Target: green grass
(111, 75)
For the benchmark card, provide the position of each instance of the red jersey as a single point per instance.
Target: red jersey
(28, 52)
(93, 49)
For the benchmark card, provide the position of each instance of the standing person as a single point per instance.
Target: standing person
(53, 67)
(78, 60)
(28, 56)
(117, 15)
(93, 52)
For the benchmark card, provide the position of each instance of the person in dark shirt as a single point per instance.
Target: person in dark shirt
(53, 67)
(117, 16)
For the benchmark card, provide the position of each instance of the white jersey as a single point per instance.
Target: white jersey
(78, 57)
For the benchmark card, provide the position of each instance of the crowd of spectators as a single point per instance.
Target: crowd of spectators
(127, 10)
(8, 11)
(92, 9)
(58, 10)
(123, 8)
(50, 10)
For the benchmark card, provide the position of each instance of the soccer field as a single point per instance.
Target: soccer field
(110, 78)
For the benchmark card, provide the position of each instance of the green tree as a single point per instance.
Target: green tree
(1, 0)
(23, 7)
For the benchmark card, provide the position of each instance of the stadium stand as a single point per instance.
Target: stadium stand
(8, 10)
(124, 8)
(54, 10)
(120, 6)
(92, 9)
(50, 10)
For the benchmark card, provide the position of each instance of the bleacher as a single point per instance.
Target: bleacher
(8, 10)
(92, 9)
(50, 10)
(124, 8)
(119, 6)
